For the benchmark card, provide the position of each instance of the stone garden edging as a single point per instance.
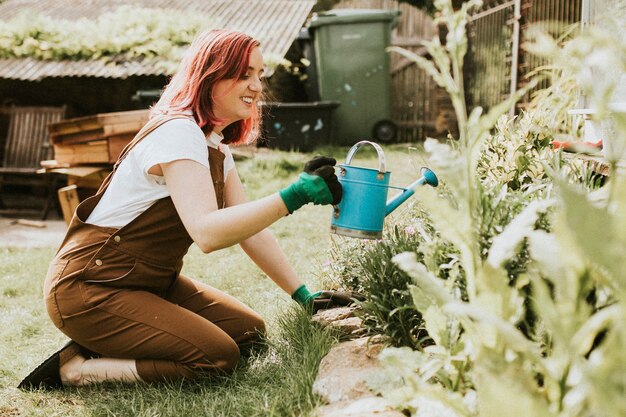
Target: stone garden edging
(343, 372)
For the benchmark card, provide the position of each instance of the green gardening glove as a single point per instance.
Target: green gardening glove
(318, 184)
(303, 296)
(324, 299)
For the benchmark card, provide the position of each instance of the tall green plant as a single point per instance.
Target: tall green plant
(481, 363)
(387, 308)
(457, 164)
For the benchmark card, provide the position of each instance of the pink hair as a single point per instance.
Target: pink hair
(213, 56)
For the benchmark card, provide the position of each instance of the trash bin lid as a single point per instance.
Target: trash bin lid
(346, 16)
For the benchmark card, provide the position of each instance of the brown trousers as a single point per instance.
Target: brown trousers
(119, 292)
(192, 327)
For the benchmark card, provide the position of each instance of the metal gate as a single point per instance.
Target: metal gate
(497, 65)
(494, 38)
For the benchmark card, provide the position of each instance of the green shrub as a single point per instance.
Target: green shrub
(366, 267)
(387, 308)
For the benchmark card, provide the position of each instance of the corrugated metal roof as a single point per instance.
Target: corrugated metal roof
(275, 23)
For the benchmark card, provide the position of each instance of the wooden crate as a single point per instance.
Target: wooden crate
(98, 126)
(68, 199)
(117, 144)
(104, 151)
(97, 139)
(95, 152)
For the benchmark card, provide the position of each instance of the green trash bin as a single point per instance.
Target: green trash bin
(352, 67)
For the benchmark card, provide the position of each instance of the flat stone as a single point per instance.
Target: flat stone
(344, 370)
(342, 319)
(349, 325)
(363, 407)
(325, 317)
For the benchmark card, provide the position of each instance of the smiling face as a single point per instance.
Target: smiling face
(235, 100)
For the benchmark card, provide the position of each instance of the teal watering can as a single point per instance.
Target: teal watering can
(364, 205)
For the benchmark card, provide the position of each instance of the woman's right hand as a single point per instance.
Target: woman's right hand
(318, 184)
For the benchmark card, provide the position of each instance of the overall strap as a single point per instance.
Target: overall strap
(145, 131)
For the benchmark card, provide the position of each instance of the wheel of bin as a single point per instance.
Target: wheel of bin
(385, 131)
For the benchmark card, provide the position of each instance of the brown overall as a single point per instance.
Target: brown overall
(119, 292)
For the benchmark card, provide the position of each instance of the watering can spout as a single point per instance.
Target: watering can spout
(428, 177)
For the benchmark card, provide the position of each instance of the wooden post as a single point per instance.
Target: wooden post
(68, 197)
(517, 15)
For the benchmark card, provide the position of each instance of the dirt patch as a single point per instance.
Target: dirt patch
(19, 235)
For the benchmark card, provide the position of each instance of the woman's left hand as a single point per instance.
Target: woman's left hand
(331, 299)
(325, 299)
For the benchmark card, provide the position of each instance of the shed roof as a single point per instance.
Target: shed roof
(275, 23)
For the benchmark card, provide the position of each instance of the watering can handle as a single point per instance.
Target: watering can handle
(381, 154)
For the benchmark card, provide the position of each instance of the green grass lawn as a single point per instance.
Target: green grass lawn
(274, 381)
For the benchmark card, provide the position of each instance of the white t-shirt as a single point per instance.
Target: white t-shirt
(133, 190)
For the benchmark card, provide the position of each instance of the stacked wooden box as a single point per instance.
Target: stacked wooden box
(96, 139)
(84, 150)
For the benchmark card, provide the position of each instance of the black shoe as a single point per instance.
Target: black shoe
(46, 375)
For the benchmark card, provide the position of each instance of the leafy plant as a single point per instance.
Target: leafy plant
(366, 267)
(513, 155)
(387, 308)
(481, 363)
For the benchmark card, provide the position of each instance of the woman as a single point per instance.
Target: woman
(114, 287)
